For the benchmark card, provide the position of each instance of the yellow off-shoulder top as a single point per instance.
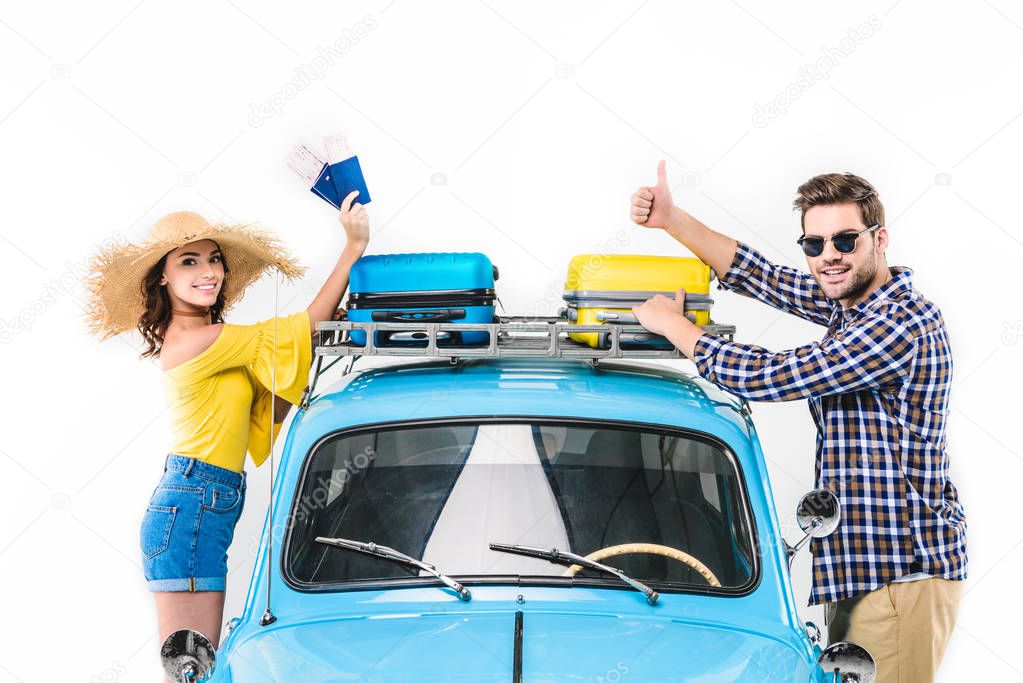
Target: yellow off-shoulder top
(219, 401)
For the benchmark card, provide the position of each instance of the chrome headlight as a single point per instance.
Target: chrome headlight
(188, 656)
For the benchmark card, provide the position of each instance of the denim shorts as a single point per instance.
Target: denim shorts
(189, 524)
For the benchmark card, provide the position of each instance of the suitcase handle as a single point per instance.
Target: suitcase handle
(628, 318)
(404, 337)
(644, 338)
(438, 315)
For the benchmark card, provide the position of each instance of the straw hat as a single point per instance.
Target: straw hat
(114, 283)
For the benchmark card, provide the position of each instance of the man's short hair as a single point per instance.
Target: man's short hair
(839, 188)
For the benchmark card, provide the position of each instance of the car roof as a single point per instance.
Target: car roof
(631, 391)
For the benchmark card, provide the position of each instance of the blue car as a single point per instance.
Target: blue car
(523, 510)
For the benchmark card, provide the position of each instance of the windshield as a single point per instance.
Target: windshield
(443, 492)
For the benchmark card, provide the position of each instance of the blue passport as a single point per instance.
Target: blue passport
(339, 179)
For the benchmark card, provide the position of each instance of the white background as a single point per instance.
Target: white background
(542, 118)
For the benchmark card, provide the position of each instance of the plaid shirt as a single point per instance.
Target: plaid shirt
(878, 385)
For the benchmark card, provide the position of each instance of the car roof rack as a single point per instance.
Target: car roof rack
(509, 337)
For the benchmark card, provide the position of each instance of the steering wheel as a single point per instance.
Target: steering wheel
(649, 549)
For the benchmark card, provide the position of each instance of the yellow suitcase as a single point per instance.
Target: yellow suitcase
(602, 288)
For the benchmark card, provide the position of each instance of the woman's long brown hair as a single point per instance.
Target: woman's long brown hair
(156, 317)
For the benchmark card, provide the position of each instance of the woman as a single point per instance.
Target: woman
(174, 288)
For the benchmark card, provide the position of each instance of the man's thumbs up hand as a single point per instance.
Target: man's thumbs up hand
(651, 206)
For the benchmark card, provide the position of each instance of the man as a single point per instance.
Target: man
(877, 384)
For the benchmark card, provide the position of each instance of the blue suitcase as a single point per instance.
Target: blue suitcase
(430, 287)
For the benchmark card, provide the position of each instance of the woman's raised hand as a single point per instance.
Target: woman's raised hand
(355, 221)
(325, 305)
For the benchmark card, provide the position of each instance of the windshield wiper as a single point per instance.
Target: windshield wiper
(386, 553)
(566, 558)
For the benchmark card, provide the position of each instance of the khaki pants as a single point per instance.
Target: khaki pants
(905, 626)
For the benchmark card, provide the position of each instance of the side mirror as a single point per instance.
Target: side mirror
(188, 657)
(817, 514)
(849, 662)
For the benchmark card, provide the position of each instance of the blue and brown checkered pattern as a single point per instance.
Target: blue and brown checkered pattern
(877, 385)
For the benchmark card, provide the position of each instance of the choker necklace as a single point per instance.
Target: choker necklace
(191, 313)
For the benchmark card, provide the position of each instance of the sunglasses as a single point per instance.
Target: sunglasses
(845, 242)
